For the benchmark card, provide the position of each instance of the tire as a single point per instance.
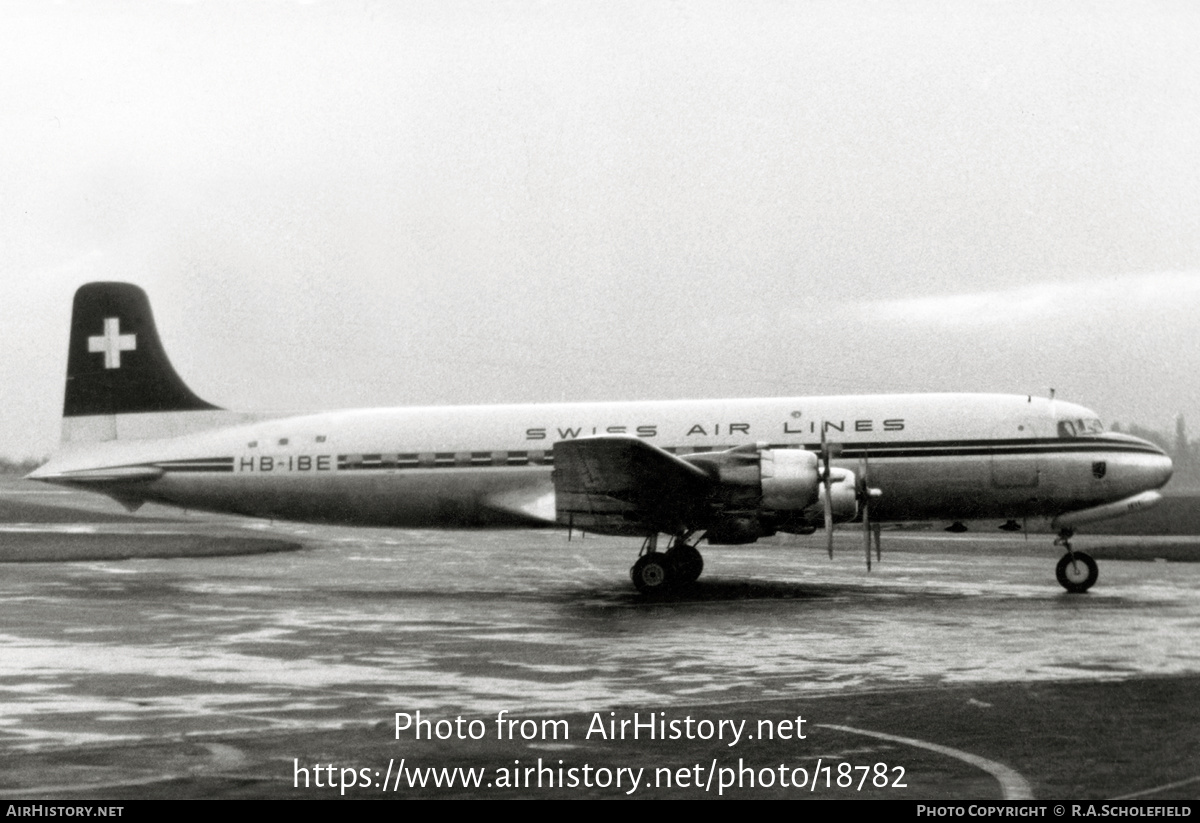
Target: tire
(1078, 576)
(651, 573)
(687, 563)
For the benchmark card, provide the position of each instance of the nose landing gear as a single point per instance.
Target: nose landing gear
(1076, 571)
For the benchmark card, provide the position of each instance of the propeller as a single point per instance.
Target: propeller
(825, 449)
(865, 493)
(864, 497)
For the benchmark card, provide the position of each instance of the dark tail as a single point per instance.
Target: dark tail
(116, 363)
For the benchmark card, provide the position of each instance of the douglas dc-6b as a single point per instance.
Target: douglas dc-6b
(721, 471)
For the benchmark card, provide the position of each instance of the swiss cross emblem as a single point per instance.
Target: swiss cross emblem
(112, 343)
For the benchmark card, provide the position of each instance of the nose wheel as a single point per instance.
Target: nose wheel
(1076, 571)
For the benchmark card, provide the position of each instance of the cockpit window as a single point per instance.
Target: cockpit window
(1080, 427)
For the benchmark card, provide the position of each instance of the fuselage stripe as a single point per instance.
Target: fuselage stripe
(540, 458)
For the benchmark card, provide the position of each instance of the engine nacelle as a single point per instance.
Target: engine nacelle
(753, 478)
(843, 494)
(761, 491)
(790, 479)
(777, 480)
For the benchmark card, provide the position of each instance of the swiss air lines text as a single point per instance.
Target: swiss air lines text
(705, 429)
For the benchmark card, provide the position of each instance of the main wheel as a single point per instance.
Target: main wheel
(687, 563)
(651, 573)
(1076, 572)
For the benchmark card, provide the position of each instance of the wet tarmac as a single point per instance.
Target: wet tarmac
(957, 668)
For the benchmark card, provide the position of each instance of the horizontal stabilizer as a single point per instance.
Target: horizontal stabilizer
(124, 474)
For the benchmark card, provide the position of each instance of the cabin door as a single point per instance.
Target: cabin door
(1015, 463)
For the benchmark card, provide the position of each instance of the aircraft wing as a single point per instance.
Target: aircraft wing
(624, 485)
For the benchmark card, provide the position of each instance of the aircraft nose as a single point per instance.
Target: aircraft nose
(1149, 467)
(1161, 470)
(1155, 469)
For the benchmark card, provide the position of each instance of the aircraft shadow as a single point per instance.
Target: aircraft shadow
(733, 590)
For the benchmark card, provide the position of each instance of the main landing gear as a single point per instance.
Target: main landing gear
(657, 571)
(1076, 571)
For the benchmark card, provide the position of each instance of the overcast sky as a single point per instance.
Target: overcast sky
(339, 204)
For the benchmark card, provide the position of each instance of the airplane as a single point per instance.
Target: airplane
(725, 472)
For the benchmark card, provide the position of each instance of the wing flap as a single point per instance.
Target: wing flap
(623, 485)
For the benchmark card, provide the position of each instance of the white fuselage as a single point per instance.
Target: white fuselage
(933, 456)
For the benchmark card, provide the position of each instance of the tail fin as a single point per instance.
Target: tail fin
(116, 363)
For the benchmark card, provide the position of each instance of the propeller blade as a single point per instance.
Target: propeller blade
(867, 534)
(865, 498)
(828, 492)
(828, 521)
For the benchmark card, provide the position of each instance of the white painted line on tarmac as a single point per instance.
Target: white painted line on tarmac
(224, 757)
(52, 791)
(93, 529)
(23, 492)
(1157, 789)
(1012, 785)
